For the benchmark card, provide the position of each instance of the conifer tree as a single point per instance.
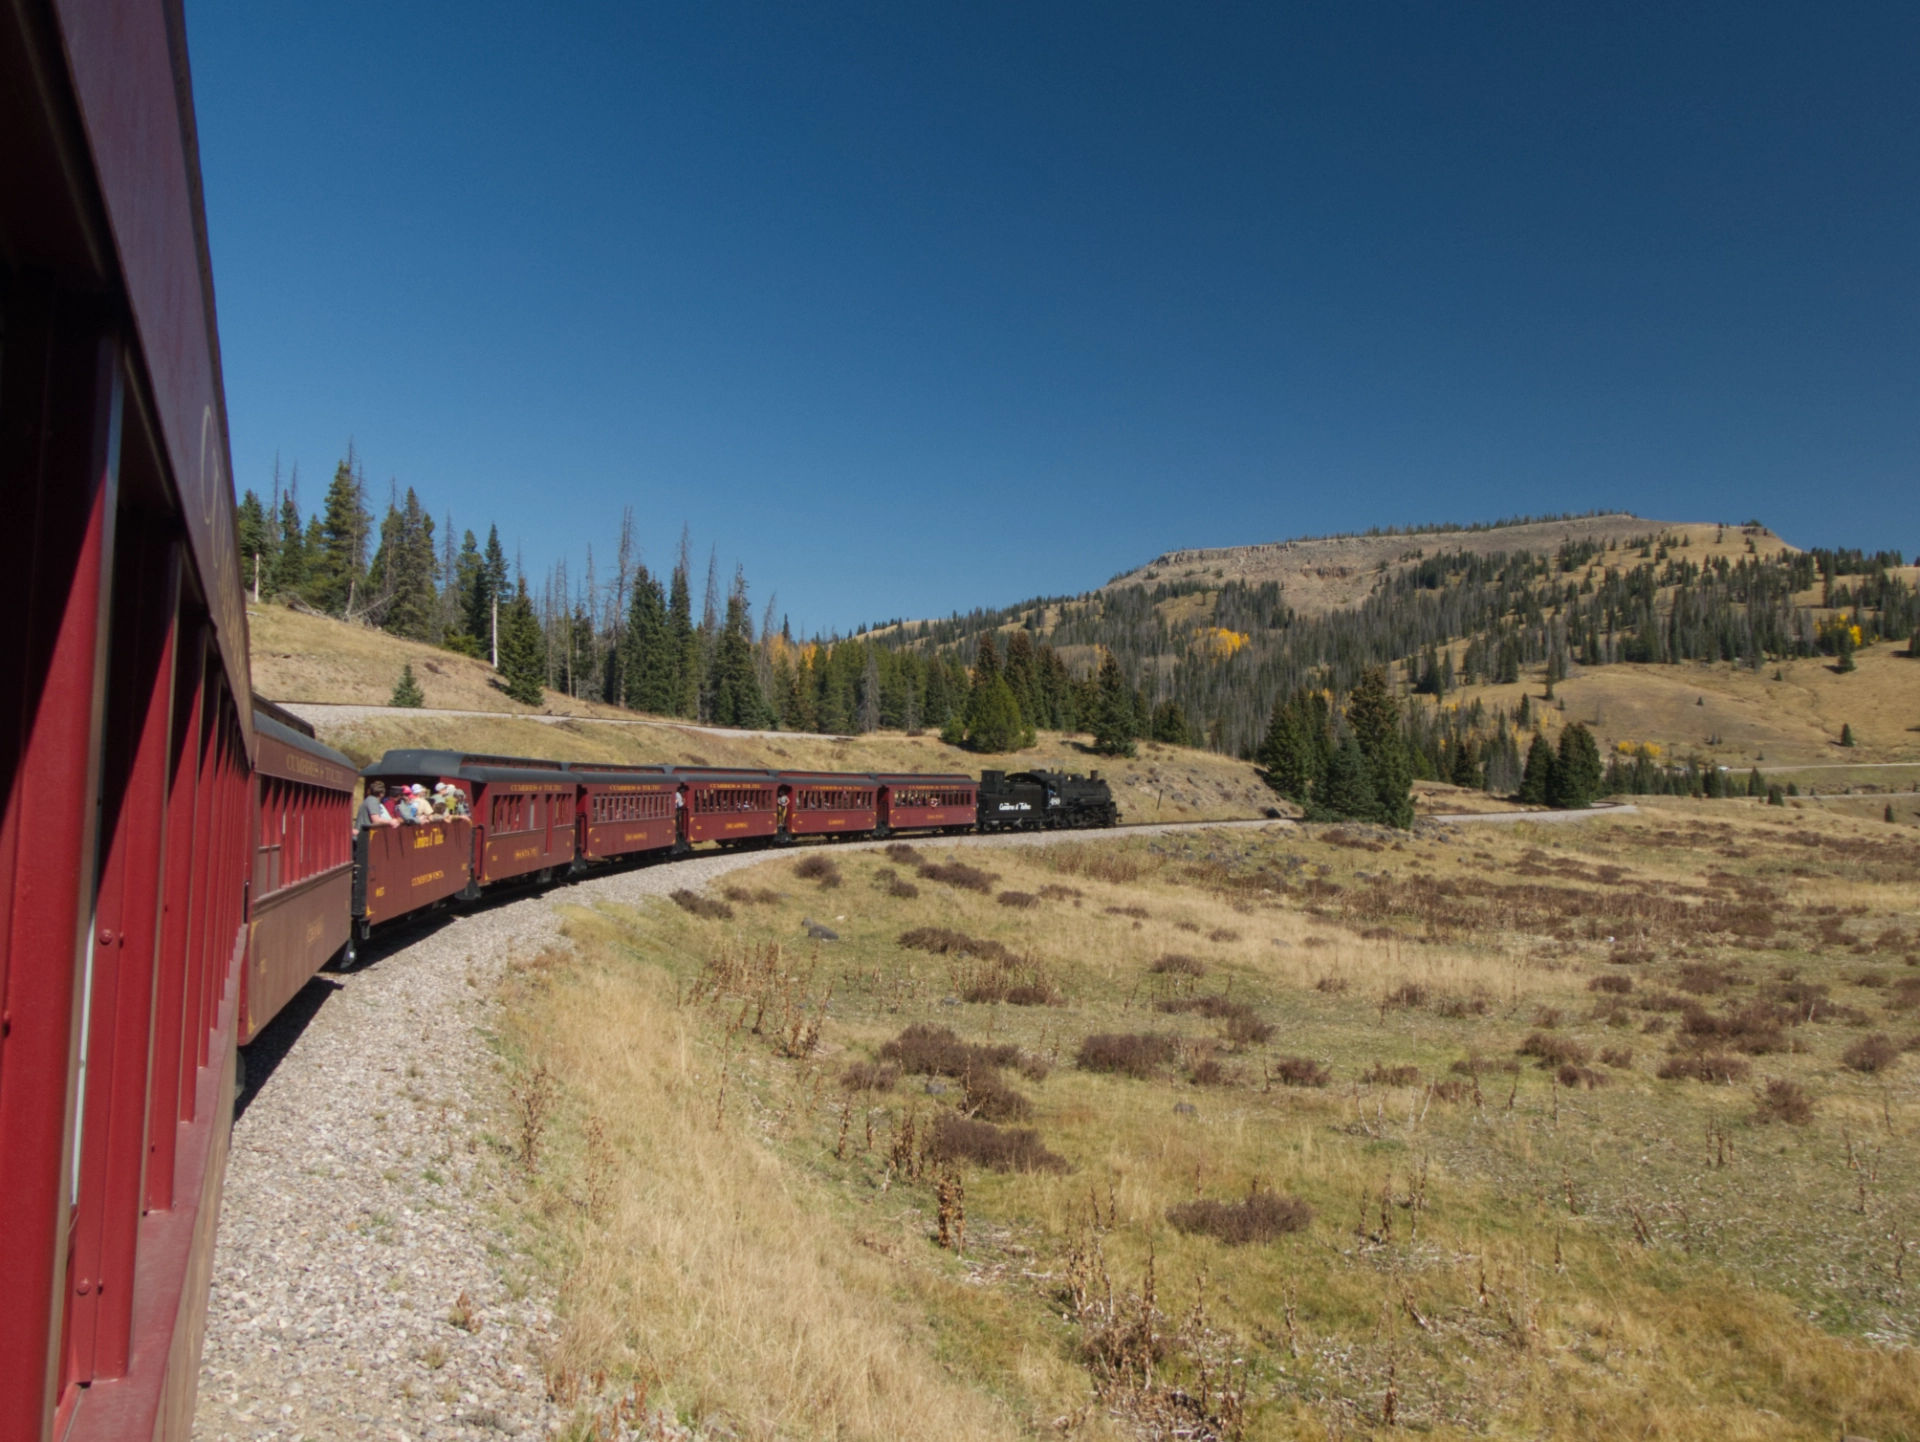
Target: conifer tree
(1022, 673)
(1575, 779)
(406, 691)
(1846, 734)
(1536, 783)
(993, 718)
(488, 586)
(339, 566)
(1756, 783)
(289, 572)
(649, 673)
(1351, 792)
(253, 529)
(683, 641)
(1374, 718)
(736, 684)
(1113, 718)
(1288, 756)
(869, 713)
(1170, 724)
(523, 659)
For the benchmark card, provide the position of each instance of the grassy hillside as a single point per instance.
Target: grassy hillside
(1557, 1132)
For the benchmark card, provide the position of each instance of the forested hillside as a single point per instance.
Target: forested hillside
(1195, 649)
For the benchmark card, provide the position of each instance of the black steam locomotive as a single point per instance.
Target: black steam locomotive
(1044, 801)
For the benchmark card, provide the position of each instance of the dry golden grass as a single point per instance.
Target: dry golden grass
(1491, 1252)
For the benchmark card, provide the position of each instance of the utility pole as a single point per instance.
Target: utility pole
(496, 632)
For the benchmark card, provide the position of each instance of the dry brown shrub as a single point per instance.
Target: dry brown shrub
(1300, 1071)
(1131, 1053)
(1706, 980)
(936, 1051)
(1002, 1149)
(1458, 1007)
(1904, 994)
(1753, 1029)
(1553, 1051)
(1571, 1076)
(1452, 1092)
(1056, 892)
(1223, 934)
(1783, 1101)
(991, 1099)
(820, 869)
(1208, 1073)
(942, 941)
(1406, 996)
(1331, 984)
(1620, 1057)
(868, 1076)
(900, 889)
(1316, 941)
(1379, 1074)
(707, 908)
(1473, 1064)
(1020, 900)
(903, 854)
(1138, 913)
(1617, 985)
(1176, 964)
(1871, 1054)
(958, 873)
(1871, 979)
(1244, 1029)
(755, 895)
(1548, 1017)
(1705, 1068)
(1262, 1217)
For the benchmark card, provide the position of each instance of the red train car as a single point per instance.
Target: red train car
(126, 735)
(622, 811)
(300, 903)
(727, 805)
(522, 810)
(927, 803)
(821, 803)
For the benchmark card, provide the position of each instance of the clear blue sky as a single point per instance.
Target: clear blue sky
(913, 307)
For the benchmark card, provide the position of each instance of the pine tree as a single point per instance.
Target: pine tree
(1844, 647)
(1575, 780)
(1023, 674)
(487, 588)
(463, 578)
(1756, 783)
(289, 573)
(869, 716)
(993, 718)
(1113, 709)
(1374, 718)
(401, 577)
(523, 651)
(1288, 756)
(1350, 792)
(1170, 724)
(335, 573)
(1846, 734)
(683, 642)
(253, 529)
(406, 691)
(650, 669)
(736, 699)
(1536, 783)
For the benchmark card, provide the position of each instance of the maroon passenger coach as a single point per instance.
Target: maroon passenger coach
(126, 733)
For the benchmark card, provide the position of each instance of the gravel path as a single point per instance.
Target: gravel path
(362, 1287)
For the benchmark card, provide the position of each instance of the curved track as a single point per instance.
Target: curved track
(358, 1209)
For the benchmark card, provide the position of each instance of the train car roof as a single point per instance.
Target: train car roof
(468, 766)
(590, 773)
(928, 778)
(319, 764)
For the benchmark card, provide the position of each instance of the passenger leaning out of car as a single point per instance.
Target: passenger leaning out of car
(414, 810)
(373, 810)
(449, 802)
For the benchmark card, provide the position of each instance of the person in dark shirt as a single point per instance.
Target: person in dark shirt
(373, 810)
